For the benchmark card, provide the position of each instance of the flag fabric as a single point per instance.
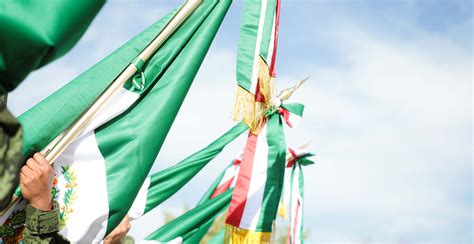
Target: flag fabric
(298, 158)
(35, 33)
(187, 224)
(292, 155)
(161, 185)
(258, 189)
(229, 178)
(224, 182)
(256, 61)
(99, 175)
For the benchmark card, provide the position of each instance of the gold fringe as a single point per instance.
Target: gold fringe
(235, 235)
(246, 108)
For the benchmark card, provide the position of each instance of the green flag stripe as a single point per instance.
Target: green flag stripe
(199, 233)
(192, 219)
(294, 108)
(275, 173)
(167, 182)
(268, 29)
(247, 43)
(35, 33)
(130, 143)
(301, 187)
(61, 108)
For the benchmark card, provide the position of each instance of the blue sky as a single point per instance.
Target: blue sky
(388, 111)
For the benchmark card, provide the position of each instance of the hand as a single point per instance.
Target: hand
(119, 233)
(36, 180)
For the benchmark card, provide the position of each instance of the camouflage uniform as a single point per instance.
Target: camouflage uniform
(42, 226)
(10, 153)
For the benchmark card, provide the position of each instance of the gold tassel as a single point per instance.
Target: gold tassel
(235, 235)
(246, 108)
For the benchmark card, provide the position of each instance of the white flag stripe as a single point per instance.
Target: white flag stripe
(272, 43)
(87, 221)
(294, 120)
(256, 55)
(296, 208)
(256, 189)
(90, 208)
(138, 207)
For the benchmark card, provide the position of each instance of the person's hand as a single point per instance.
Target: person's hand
(36, 180)
(119, 233)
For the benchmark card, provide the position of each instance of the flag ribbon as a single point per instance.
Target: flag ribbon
(259, 185)
(299, 158)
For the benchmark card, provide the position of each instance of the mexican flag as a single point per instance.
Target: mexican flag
(194, 224)
(162, 185)
(299, 155)
(298, 158)
(256, 61)
(257, 193)
(99, 175)
(35, 33)
(181, 228)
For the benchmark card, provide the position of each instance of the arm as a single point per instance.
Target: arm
(42, 214)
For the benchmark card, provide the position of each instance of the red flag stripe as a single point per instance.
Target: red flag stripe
(242, 185)
(275, 39)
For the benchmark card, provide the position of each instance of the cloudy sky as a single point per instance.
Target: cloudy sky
(388, 111)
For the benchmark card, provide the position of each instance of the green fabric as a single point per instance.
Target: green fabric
(60, 109)
(191, 219)
(197, 235)
(275, 173)
(268, 29)
(35, 33)
(42, 226)
(294, 108)
(131, 141)
(248, 41)
(167, 182)
(172, 70)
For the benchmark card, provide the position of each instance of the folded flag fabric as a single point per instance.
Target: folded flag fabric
(35, 33)
(225, 181)
(185, 225)
(99, 175)
(256, 61)
(229, 178)
(299, 157)
(257, 192)
(163, 184)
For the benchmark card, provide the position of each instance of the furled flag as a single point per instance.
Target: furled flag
(162, 185)
(291, 157)
(35, 33)
(179, 229)
(225, 181)
(257, 192)
(99, 175)
(299, 157)
(256, 61)
(197, 229)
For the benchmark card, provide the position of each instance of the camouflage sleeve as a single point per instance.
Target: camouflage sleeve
(42, 226)
(10, 153)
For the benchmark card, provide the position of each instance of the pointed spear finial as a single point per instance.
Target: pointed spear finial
(286, 93)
